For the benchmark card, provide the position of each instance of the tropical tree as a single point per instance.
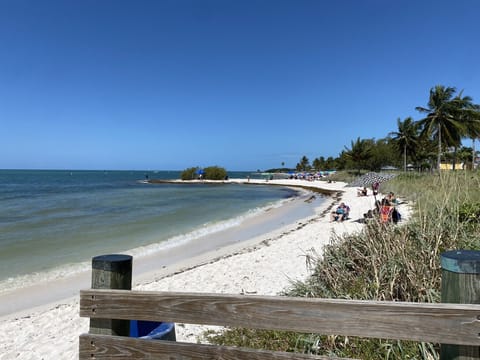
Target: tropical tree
(474, 130)
(359, 152)
(406, 137)
(470, 118)
(341, 161)
(383, 153)
(464, 154)
(304, 164)
(465, 112)
(441, 122)
(331, 163)
(425, 153)
(318, 163)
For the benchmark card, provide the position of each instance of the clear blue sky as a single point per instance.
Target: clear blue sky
(243, 84)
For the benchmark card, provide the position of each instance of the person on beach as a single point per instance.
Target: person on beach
(392, 199)
(368, 216)
(362, 192)
(389, 209)
(375, 212)
(340, 214)
(396, 217)
(375, 187)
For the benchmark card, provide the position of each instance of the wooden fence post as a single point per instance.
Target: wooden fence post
(111, 272)
(460, 284)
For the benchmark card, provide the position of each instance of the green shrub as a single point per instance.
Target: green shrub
(189, 174)
(469, 212)
(215, 173)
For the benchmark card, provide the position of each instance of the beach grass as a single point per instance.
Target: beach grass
(393, 263)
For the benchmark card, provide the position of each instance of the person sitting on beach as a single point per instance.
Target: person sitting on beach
(368, 216)
(392, 199)
(389, 209)
(341, 213)
(396, 217)
(362, 192)
(337, 214)
(375, 212)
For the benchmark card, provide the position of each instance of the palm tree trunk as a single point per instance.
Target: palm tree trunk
(473, 153)
(454, 161)
(405, 157)
(439, 156)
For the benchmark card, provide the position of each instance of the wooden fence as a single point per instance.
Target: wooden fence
(439, 323)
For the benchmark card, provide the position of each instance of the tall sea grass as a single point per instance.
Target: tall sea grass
(393, 262)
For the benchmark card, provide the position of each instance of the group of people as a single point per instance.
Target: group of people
(364, 192)
(389, 205)
(385, 209)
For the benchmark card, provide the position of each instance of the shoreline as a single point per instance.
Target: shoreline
(174, 257)
(295, 183)
(264, 265)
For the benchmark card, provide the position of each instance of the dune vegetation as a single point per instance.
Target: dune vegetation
(393, 263)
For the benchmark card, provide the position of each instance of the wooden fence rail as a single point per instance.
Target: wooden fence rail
(439, 323)
(117, 347)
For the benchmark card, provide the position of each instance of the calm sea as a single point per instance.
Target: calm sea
(53, 222)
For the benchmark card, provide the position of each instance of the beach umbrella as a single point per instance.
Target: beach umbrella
(200, 173)
(372, 177)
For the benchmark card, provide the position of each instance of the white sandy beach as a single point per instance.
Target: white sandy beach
(265, 265)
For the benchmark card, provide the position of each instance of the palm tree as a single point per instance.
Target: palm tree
(318, 163)
(470, 117)
(474, 130)
(440, 122)
(359, 152)
(406, 137)
(464, 155)
(304, 164)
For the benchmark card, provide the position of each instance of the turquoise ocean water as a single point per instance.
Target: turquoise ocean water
(53, 222)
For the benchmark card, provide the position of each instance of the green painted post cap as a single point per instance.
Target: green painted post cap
(113, 262)
(461, 261)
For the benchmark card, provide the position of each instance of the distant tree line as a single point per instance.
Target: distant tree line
(449, 117)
